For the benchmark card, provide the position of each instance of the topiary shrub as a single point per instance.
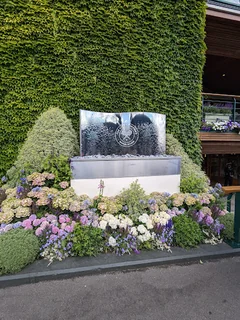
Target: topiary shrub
(18, 248)
(53, 135)
(228, 221)
(193, 179)
(87, 240)
(188, 233)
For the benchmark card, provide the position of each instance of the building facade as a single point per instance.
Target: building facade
(221, 89)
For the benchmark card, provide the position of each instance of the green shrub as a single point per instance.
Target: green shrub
(228, 221)
(193, 179)
(188, 233)
(60, 167)
(193, 184)
(134, 198)
(87, 240)
(52, 135)
(18, 248)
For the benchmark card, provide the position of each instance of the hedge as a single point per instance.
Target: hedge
(107, 55)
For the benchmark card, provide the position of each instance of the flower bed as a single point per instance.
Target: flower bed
(221, 126)
(70, 225)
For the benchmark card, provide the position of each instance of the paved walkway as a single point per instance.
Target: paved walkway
(73, 267)
(208, 291)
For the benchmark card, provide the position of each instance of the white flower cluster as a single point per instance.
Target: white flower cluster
(142, 232)
(115, 222)
(220, 126)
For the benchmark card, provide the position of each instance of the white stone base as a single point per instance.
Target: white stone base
(113, 186)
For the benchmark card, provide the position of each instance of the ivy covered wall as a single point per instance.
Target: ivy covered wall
(106, 55)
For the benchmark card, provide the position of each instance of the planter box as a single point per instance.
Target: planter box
(160, 174)
(213, 117)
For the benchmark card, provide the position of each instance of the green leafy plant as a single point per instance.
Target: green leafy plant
(193, 184)
(193, 179)
(18, 248)
(188, 233)
(87, 240)
(60, 167)
(228, 221)
(134, 198)
(52, 135)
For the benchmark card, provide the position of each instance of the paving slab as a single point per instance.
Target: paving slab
(40, 270)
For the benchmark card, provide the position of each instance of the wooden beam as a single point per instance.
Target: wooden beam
(231, 189)
(220, 95)
(223, 15)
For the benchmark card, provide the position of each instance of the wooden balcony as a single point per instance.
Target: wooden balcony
(220, 143)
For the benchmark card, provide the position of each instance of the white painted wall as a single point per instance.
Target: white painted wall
(113, 186)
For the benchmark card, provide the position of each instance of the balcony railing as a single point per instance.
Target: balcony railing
(229, 4)
(220, 112)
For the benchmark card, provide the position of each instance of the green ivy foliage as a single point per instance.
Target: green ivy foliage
(115, 55)
(18, 248)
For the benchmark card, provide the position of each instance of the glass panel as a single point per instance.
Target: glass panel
(134, 133)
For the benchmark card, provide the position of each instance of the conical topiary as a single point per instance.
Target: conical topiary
(52, 134)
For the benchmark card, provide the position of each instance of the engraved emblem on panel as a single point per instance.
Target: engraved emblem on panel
(126, 136)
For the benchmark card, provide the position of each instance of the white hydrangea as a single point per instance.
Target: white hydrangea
(145, 237)
(107, 217)
(160, 217)
(114, 223)
(133, 231)
(149, 225)
(103, 224)
(112, 242)
(125, 222)
(141, 228)
(144, 218)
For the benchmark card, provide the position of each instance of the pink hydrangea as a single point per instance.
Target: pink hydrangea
(50, 176)
(64, 184)
(55, 229)
(51, 217)
(28, 227)
(62, 219)
(38, 232)
(68, 220)
(36, 222)
(63, 226)
(69, 228)
(44, 224)
(32, 217)
(26, 223)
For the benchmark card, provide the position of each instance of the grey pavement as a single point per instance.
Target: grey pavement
(209, 290)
